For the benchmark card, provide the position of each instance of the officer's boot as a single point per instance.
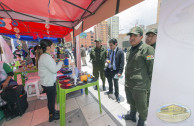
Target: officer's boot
(140, 122)
(131, 116)
(103, 87)
(103, 84)
(95, 87)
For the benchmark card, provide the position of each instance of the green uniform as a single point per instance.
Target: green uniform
(138, 74)
(148, 92)
(98, 57)
(153, 31)
(154, 45)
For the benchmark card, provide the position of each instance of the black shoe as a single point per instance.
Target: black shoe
(131, 116)
(104, 88)
(109, 92)
(11, 117)
(57, 112)
(95, 87)
(53, 117)
(140, 122)
(118, 99)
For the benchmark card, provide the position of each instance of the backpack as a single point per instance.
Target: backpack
(16, 97)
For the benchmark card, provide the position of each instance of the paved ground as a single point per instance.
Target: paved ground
(81, 109)
(114, 109)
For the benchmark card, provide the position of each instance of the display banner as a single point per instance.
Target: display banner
(172, 90)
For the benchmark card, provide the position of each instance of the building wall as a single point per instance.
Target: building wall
(113, 24)
(123, 41)
(88, 39)
(101, 32)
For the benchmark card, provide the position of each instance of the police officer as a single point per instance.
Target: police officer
(138, 74)
(98, 56)
(151, 37)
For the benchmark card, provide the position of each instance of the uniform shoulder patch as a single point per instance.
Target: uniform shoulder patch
(150, 57)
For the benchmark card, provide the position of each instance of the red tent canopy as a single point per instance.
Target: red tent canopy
(33, 28)
(64, 13)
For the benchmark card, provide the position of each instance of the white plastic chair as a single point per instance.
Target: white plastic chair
(31, 85)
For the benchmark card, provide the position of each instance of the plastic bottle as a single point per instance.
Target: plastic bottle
(75, 80)
(66, 62)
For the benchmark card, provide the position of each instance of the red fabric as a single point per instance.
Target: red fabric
(64, 13)
(33, 29)
(62, 10)
(48, 10)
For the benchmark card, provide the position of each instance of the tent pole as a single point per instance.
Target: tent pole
(74, 43)
(117, 7)
(82, 25)
(77, 6)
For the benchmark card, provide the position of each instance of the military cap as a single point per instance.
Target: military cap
(98, 40)
(152, 30)
(136, 30)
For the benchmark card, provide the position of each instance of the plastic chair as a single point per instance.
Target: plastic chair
(30, 84)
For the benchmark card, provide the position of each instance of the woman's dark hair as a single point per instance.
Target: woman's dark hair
(38, 52)
(45, 43)
(1, 50)
(113, 41)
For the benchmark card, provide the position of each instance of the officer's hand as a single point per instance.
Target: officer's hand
(118, 74)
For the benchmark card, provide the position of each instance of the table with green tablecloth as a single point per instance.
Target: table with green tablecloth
(20, 70)
(61, 96)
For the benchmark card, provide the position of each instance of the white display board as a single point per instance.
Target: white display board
(172, 90)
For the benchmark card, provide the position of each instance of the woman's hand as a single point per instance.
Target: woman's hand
(4, 84)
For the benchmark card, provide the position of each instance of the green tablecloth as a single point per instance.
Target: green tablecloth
(61, 97)
(20, 70)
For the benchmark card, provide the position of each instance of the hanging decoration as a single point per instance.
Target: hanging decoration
(2, 23)
(8, 26)
(47, 26)
(17, 36)
(7, 23)
(19, 42)
(16, 30)
(14, 23)
(50, 11)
